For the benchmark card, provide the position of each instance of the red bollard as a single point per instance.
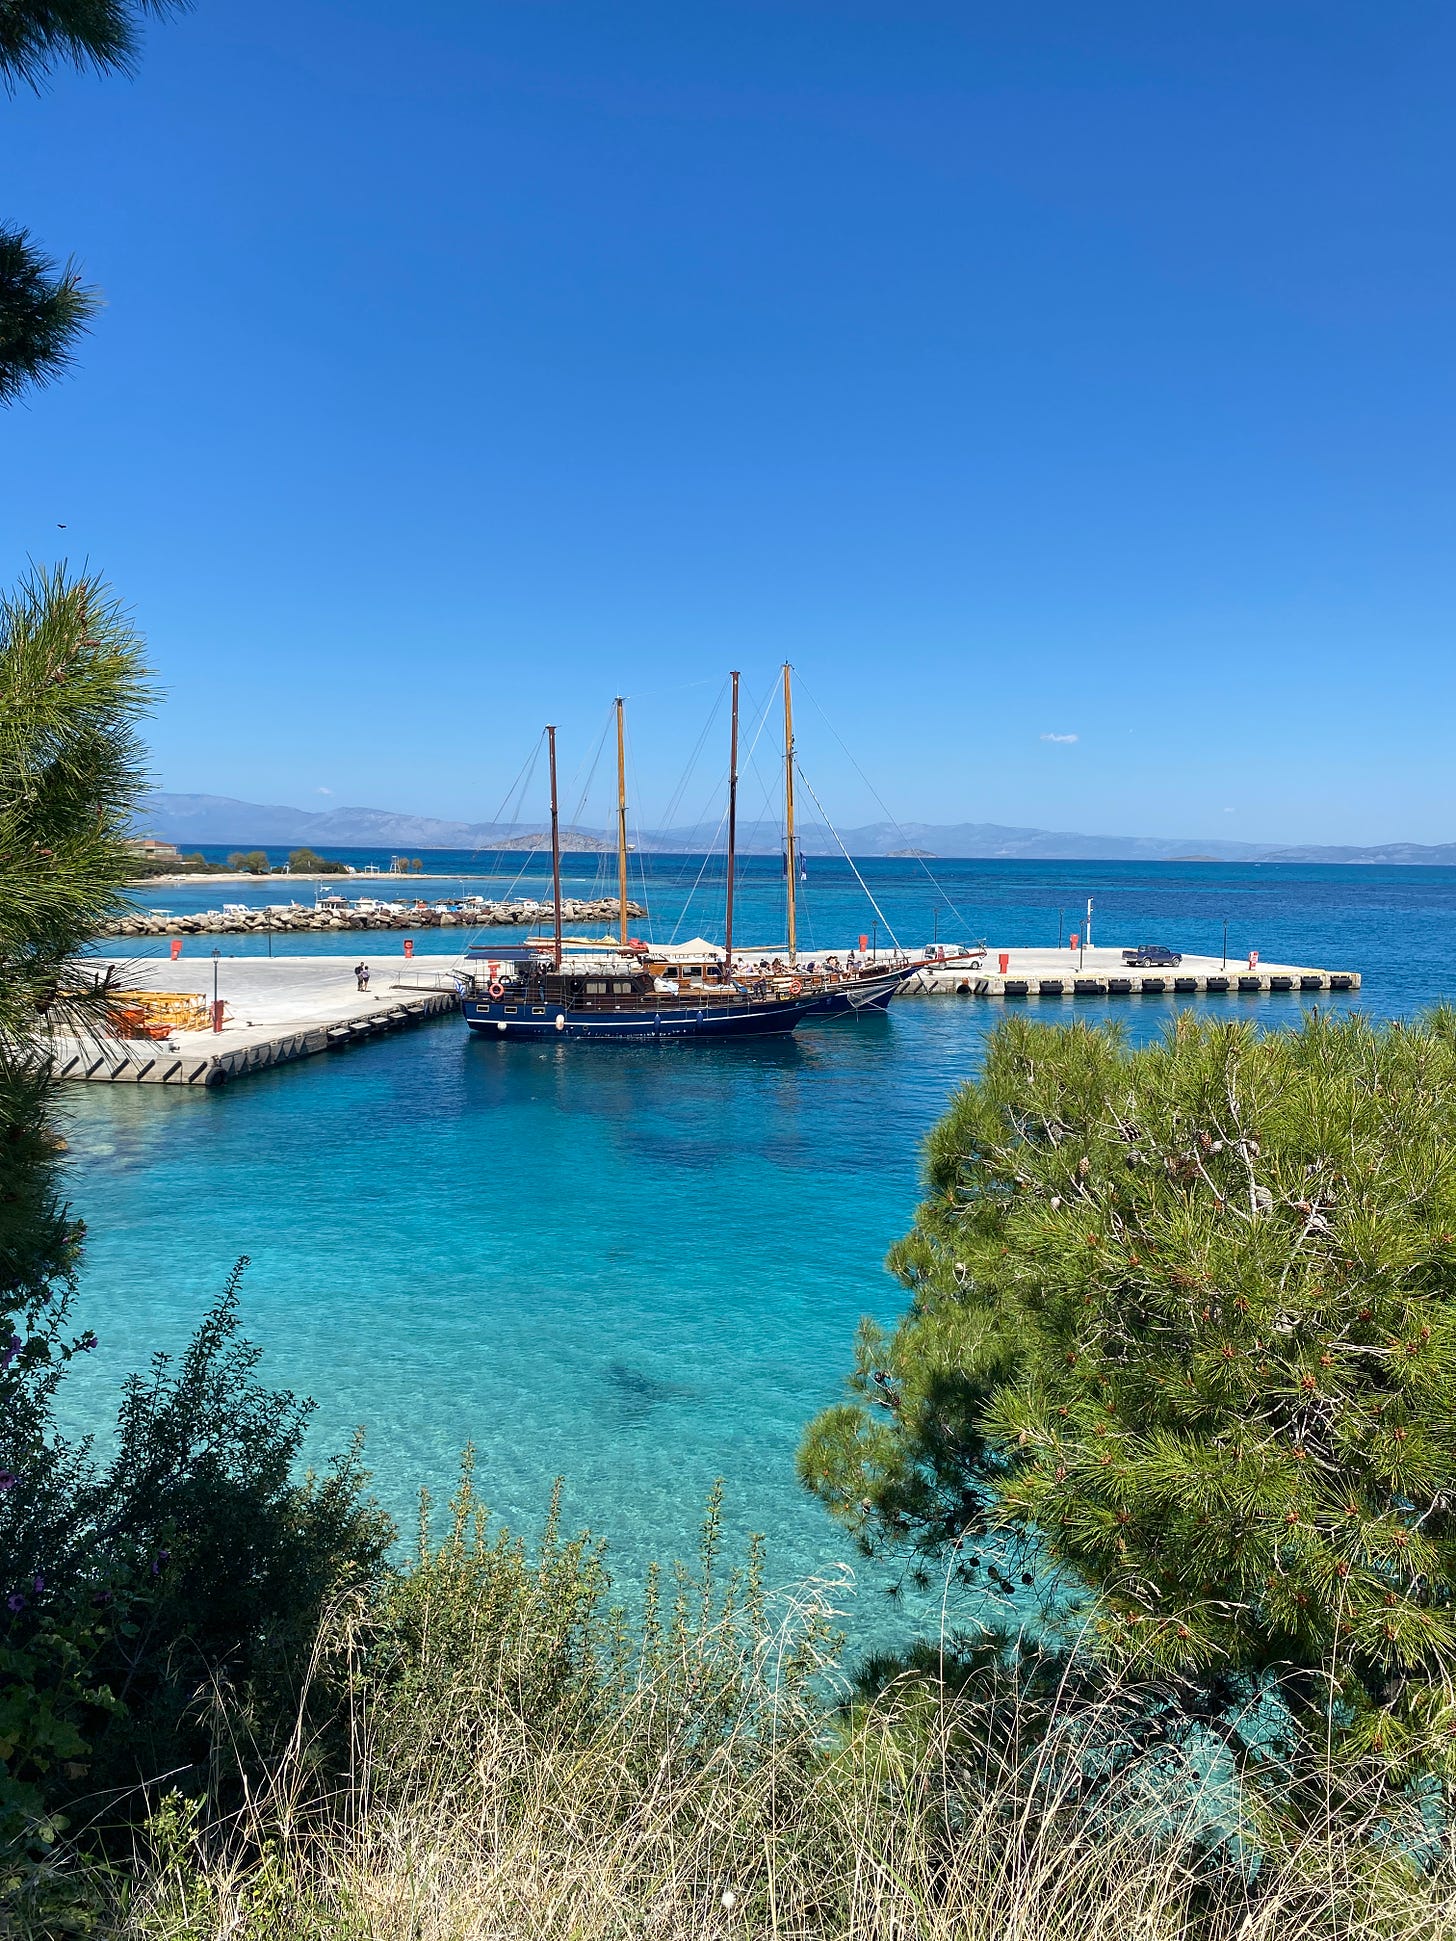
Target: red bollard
(409, 946)
(1074, 940)
(217, 1011)
(864, 943)
(1003, 959)
(176, 948)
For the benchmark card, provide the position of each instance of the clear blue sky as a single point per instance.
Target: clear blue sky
(1016, 371)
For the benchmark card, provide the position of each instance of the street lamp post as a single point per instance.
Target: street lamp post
(1060, 915)
(216, 1007)
(1225, 943)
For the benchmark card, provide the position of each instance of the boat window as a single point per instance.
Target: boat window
(622, 990)
(595, 989)
(511, 1010)
(538, 1010)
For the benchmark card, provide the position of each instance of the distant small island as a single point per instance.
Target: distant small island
(909, 852)
(571, 840)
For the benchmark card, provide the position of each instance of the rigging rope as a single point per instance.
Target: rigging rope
(847, 857)
(930, 874)
(522, 782)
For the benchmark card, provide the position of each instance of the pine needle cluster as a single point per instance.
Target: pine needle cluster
(37, 36)
(72, 691)
(1183, 1319)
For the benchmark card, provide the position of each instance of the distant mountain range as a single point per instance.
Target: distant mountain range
(190, 820)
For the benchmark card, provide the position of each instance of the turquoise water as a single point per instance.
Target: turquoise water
(640, 1268)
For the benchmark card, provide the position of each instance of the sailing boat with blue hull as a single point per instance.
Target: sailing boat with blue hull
(623, 995)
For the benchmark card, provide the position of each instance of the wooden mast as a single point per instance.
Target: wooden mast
(792, 855)
(621, 821)
(732, 831)
(555, 848)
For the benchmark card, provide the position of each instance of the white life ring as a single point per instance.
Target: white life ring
(796, 986)
(497, 989)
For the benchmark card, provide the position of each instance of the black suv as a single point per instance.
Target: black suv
(1146, 955)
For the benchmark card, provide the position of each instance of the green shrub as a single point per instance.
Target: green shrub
(307, 862)
(253, 861)
(1182, 1332)
(134, 1591)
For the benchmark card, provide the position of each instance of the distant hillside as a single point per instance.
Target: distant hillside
(192, 819)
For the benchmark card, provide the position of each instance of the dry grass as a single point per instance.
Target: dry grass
(493, 1753)
(472, 1823)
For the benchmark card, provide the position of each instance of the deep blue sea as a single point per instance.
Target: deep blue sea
(639, 1268)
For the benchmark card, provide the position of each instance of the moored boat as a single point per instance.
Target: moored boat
(527, 993)
(623, 988)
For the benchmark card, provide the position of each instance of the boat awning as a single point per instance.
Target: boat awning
(696, 951)
(502, 953)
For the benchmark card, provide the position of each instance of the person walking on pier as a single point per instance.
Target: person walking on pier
(361, 976)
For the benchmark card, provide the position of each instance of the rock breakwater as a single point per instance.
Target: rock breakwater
(283, 920)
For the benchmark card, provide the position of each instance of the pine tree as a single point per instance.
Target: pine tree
(1183, 1320)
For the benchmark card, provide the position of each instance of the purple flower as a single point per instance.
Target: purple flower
(15, 1601)
(8, 1480)
(39, 1585)
(14, 1348)
(87, 1341)
(164, 1556)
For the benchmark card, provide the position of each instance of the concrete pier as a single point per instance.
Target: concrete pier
(279, 1009)
(1101, 973)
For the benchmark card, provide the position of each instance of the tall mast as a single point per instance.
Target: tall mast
(732, 831)
(621, 821)
(792, 857)
(555, 847)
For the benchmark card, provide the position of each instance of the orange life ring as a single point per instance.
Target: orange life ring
(497, 990)
(796, 986)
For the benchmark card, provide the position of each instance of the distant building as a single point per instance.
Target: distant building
(154, 851)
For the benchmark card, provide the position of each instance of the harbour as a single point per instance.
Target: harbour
(378, 1189)
(281, 1009)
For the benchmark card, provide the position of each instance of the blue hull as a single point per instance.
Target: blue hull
(499, 1020)
(874, 994)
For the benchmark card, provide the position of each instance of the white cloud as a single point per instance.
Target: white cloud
(1059, 737)
(321, 790)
